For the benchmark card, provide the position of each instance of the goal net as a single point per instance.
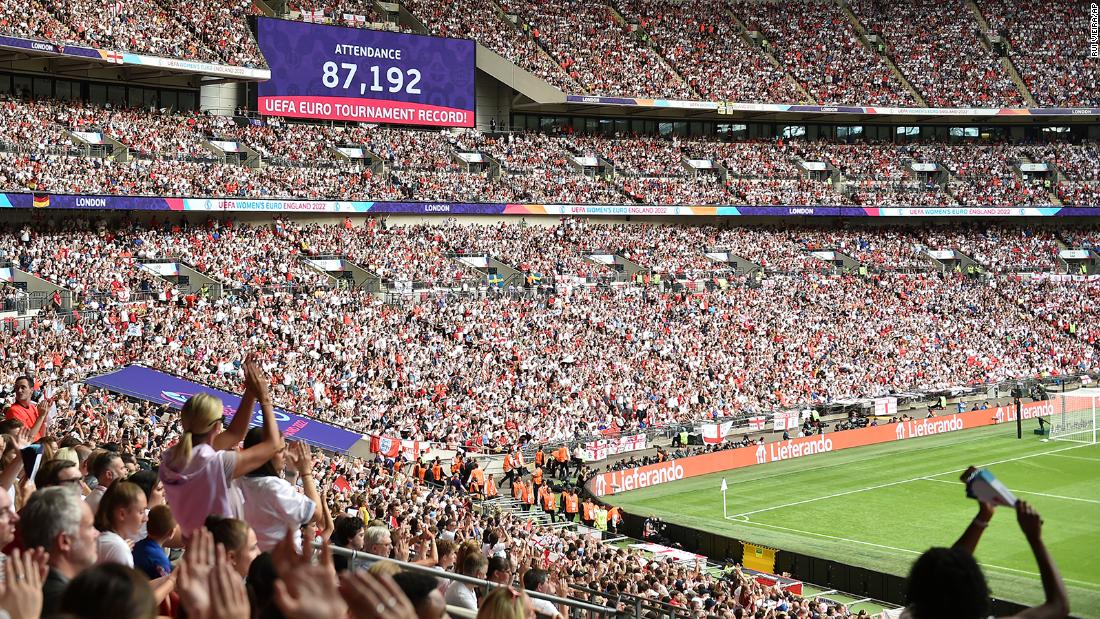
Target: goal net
(1074, 416)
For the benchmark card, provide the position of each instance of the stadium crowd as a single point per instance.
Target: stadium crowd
(655, 48)
(216, 32)
(466, 373)
(710, 52)
(171, 154)
(483, 21)
(1052, 61)
(821, 49)
(598, 50)
(937, 46)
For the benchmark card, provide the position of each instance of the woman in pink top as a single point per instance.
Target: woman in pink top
(198, 471)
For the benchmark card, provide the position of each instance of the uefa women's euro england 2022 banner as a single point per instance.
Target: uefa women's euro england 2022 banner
(351, 74)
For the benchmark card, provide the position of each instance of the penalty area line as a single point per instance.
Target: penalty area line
(1043, 494)
(896, 483)
(1083, 583)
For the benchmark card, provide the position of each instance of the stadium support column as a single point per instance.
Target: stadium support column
(222, 98)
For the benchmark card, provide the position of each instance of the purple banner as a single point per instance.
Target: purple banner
(49, 48)
(146, 203)
(153, 386)
(354, 74)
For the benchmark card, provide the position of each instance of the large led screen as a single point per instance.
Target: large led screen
(351, 74)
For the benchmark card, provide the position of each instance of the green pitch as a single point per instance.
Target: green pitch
(881, 506)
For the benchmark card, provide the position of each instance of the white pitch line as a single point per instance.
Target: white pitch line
(896, 483)
(1086, 583)
(1052, 496)
(1085, 458)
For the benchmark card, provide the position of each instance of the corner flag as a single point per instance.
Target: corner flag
(724, 497)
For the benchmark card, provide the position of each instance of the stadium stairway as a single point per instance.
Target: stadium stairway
(513, 22)
(1006, 60)
(508, 505)
(639, 32)
(884, 54)
(753, 42)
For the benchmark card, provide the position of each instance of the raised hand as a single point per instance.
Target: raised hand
(256, 380)
(22, 437)
(305, 591)
(21, 587)
(229, 599)
(1030, 522)
(375, 597)
(194, 574)
(44, 406)
(300, 457)
(401, 544)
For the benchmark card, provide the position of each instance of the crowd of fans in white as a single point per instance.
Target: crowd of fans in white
(171, 155)
(597, 50)
(475, 372)
(483, 21)
(660, 48)
(490, 372)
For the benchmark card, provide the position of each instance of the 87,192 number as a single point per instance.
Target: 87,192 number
(397, 79)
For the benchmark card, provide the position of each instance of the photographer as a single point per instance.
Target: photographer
(653, 530)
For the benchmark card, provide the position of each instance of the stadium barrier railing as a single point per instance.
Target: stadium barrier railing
(362, 559)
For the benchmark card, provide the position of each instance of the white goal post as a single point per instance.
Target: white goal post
(1074, 416)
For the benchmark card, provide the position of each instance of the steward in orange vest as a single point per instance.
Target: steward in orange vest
(572, 505)
(528, 497)
(549, 505)
(491, 488)
(510, 470)
(437, 472)
(588, 513)
(614, 517)
(477, 481)
(536, 478)
(561, 462)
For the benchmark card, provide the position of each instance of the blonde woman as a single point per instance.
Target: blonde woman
(506, 603)
(198, 472)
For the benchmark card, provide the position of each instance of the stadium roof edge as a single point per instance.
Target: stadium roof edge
(733, 112)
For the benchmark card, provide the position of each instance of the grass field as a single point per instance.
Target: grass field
(881, 506)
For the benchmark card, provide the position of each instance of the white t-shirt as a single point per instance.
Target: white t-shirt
(543, 607)
(113, 549)
(461, 596)
(271, 505)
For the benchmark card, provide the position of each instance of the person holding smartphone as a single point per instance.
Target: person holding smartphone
(948, 582)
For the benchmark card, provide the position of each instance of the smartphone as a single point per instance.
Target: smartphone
(32, 457)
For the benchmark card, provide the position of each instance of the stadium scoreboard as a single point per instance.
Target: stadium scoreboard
(351, 74)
